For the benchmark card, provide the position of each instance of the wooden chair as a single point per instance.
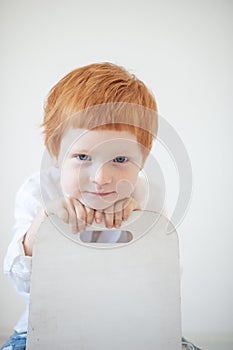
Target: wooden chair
(106, 296)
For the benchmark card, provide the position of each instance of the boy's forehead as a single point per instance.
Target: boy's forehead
(82, 138)
(71, 136)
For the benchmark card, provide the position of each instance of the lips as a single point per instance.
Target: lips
(100, 194)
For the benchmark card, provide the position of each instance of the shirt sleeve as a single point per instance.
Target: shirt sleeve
(17, 266)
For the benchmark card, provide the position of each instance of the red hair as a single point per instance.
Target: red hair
(91, 87)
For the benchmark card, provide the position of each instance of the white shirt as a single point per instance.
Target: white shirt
(41, 188)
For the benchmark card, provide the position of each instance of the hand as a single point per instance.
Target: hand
(116, 213)
(72, 212)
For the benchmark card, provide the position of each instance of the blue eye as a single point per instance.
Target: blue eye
(120, 159)
(82, 157)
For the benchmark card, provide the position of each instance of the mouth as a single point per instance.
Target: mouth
(100, 194)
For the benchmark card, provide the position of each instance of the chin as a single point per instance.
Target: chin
(98, 203)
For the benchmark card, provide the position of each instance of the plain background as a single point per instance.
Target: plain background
(183, 51)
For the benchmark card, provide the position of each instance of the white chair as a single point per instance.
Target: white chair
(106, 296)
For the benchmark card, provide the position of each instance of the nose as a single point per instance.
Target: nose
(102, 175)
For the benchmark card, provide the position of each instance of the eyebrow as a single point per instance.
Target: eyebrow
(76, 150)
(123, 153)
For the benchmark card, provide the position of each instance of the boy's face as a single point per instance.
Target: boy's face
(99, 167)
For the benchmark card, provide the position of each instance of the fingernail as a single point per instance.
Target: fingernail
(98, 221)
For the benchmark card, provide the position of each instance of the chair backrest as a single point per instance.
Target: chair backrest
(99, 296)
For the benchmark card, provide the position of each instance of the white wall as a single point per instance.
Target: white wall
(183, 51)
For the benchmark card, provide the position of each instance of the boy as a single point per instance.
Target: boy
(99, 126)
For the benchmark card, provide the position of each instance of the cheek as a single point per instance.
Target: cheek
(125, 185)
(71, 180)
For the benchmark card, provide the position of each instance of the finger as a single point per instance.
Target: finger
(90, 215)
(81, 215)
(63, 215)
(98, 216)
(118, 213)
(109, 216)
(128, 208)
(72, 215)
